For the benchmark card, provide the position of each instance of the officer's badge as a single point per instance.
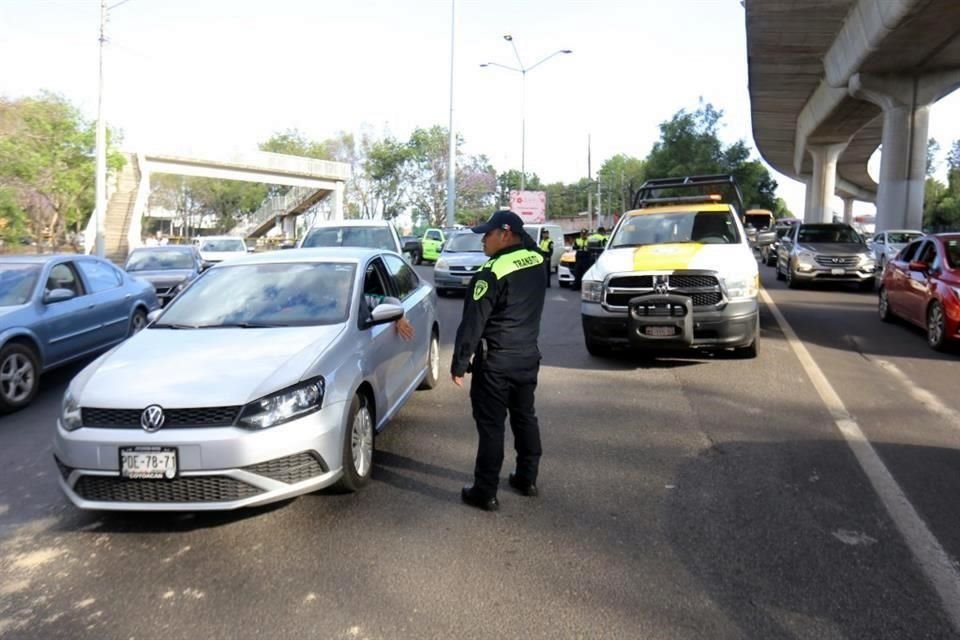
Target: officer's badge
(480, 289)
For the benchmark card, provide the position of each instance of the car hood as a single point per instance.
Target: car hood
(179, 368)
(465, 259)
(833, 248)
(725, 259)
(165, 275)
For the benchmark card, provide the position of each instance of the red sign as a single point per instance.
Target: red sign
(531, 206)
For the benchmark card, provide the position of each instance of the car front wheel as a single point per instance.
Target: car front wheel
(936, 327)
(358, 446)
(883, 306)
(19, 377)
(138, 321)
(433, 363)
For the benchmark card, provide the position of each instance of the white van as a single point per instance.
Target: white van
(556, 234)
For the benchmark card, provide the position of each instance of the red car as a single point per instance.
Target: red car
(922, 285)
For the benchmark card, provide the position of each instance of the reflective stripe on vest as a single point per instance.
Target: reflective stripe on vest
(514, 261)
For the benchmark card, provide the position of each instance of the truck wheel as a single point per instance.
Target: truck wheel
(595, 348)
(417, 257)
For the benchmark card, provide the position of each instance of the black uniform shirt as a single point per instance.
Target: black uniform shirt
(503, 306)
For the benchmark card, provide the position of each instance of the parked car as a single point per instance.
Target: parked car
(535, 231)
(373, 234)
(566, 271)
(169, 269)
(460, 259)
(214, 249)
(267, 378)
(921, 284)
(412, 249)
(769, 241)
(57, 309)
(823, 252)
(432, 243)
(885, 245)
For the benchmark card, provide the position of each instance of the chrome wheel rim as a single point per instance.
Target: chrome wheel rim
(361, 442)
(139, 322)
(17, 378)
(434, 358)
(935, 325)
(884, 304)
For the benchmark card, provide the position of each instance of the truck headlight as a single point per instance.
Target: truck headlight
(441, 264)
(70, 415)
(805, 257)
(743, 287)
(283, 406)
(592, 291)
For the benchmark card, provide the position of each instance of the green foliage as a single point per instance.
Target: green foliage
(620, 178)
(511, 180)
(383, 167)
(941, 205)
(933, 150)
(47, 165)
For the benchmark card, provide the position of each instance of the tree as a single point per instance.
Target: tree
(510, 181)
(476, 189)
(384, 167)
(941, 205)
(47, 165)
(426, 173)
(620, 177)
(933, 150)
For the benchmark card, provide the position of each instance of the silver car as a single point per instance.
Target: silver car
(461, 257)
(810, 253)
(267, 377)
(885, 245)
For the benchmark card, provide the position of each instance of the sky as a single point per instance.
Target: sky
(227, 74)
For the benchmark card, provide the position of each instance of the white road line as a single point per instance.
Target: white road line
(922, 396)
(929, 554)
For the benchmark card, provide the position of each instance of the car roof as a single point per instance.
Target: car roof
(682, 208)
(314, 254)
(324, 224)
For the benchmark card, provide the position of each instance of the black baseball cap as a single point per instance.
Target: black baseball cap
(501, 220)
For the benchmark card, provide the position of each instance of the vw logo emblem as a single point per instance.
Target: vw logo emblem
(661, 286)
(152, 418)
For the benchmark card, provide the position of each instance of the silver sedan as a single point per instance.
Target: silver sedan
(268, 377)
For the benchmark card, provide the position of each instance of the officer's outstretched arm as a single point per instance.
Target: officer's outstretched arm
(477, 307)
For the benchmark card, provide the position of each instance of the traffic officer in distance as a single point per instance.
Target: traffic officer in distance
(582, 257)
(499, 330)
(546, 248)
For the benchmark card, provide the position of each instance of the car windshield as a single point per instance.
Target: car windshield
(828, 233)
(706, 227)
(953, 252)
(782, 231)
(370, 237)
(223, 244)
(902, 238)
(464, 242)
(17, 282)
(264, 295)
(159, 260)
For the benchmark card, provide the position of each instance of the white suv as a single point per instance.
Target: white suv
(373, 234)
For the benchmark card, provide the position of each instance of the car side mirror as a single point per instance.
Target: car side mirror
(153, 315)
(204, 266)
(916, 265)
(58, 295)
(385, 313)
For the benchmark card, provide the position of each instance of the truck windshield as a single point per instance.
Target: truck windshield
(370, 237)
(705, 227)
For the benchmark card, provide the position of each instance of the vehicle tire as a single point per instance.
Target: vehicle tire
(443, 293)
(595, 348)
(936, 327)
(433, 363)
(748, 352)
(883, 306)
(358, 446)
(779, 273)
(868, 285)
(417, 257)
(791, 281)
(137, 322)
(19, 376)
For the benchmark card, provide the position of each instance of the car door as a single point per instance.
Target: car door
(66, 327)
(111, 304)
(917, 284)
(416, 307)
(895, 282)
(385, 355)
(785, 248)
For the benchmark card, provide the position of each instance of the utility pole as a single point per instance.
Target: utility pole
(452, 160)
(100, 182)
(589, 190)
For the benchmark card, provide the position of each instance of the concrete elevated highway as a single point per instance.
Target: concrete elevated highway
(831, 80)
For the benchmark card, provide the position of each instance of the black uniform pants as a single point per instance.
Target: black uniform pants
(547, 260)
(494, 393)
(584, 262)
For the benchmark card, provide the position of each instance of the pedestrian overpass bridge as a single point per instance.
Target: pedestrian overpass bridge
(311, 181)
(832, 80)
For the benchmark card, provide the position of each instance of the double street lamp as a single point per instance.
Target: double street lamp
(523, 72)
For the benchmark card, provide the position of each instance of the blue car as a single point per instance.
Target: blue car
(56, 309)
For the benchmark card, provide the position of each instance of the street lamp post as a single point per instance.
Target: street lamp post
(523, 99)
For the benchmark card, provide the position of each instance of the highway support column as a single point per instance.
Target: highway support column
(823, 183)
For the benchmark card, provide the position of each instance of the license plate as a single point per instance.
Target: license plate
(837, 272)
(466, 281)
(659, 332)
(148, 463)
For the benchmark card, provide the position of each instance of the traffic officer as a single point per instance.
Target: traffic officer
(499, 330)
(546, 248)
(582, 258)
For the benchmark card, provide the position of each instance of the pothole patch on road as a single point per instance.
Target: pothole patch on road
(853, 538)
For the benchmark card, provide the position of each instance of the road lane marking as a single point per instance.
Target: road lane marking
(936, 565)
(926, 399)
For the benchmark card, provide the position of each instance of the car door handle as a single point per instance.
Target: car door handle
(91, 307)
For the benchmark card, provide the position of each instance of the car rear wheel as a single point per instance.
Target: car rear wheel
(883, 306)
(936, 327)
(779, 273)
(358, 446)
(433, 363)
(19, 377)
(137, 322)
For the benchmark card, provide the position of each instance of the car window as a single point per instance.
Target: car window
(927, 253)
(464, 242)
(904, 238)
(223, 244)
(879, 239)
(953, 252)
(828, 233)
(374, 288)
(63, 276)
(369, 237)
(404, 277)
(100, 277)
(433, 235)
(909, 251)
(17, 282)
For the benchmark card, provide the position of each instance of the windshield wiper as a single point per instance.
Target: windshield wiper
(241, 325)
(172, 325)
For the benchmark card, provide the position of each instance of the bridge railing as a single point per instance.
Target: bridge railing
(272, 207)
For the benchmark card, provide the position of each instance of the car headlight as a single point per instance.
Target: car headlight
(441, 264)
(283, 406)
(742, 287)
(866, 260)
(592, 291)
(70, 414)
(805, 256)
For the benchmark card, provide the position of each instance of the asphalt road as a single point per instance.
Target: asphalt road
(680, 498)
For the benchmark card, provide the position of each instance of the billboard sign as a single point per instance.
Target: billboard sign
(531, 206)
